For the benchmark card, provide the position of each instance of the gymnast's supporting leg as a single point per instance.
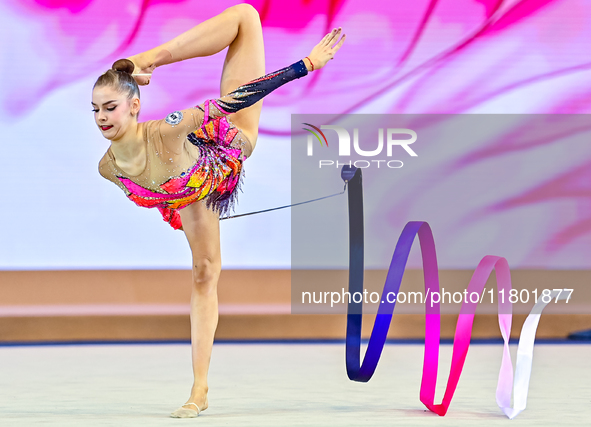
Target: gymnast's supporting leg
(207, 38)
(201, 227)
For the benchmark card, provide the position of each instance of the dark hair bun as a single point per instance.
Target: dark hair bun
(124, 65)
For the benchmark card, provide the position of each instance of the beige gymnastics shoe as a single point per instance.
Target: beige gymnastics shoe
(188, 413)
(185, 412)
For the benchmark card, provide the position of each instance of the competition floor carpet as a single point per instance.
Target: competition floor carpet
(301, 384)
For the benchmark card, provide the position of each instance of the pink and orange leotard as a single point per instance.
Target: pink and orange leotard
(195, 154)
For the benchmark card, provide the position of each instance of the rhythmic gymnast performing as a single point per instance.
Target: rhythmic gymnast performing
(189, 164)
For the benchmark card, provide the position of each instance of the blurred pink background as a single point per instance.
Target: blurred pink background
(420, 57)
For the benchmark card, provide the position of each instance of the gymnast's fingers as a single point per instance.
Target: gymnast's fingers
(334, 35)
(327, 38)
(336, 48)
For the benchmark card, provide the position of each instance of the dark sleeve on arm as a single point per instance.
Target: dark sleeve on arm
(251, 92)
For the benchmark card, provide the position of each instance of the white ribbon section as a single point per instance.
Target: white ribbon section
(525, 352)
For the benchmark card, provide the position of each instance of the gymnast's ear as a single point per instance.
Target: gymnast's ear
(134, 106)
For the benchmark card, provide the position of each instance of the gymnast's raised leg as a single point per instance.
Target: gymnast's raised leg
(245, 61)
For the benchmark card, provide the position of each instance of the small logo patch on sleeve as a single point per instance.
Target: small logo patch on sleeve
(174, 118)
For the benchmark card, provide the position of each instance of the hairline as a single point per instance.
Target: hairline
(118, 88)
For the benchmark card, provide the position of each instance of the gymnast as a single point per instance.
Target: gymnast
(189, 164)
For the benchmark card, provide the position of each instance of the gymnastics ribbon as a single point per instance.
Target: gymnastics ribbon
(364, 371)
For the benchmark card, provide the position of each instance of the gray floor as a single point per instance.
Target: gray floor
(276, 385)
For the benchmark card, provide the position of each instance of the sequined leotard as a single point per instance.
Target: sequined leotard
(196, 153)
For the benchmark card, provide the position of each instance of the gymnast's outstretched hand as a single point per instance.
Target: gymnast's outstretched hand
(325, 50)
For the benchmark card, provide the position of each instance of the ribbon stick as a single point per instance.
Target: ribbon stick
(362, 372)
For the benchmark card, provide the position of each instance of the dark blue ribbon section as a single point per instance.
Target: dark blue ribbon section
(356, 370)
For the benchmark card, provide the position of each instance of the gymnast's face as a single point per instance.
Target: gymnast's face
(114, 112)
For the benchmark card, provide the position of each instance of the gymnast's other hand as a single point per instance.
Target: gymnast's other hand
(325, 50)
